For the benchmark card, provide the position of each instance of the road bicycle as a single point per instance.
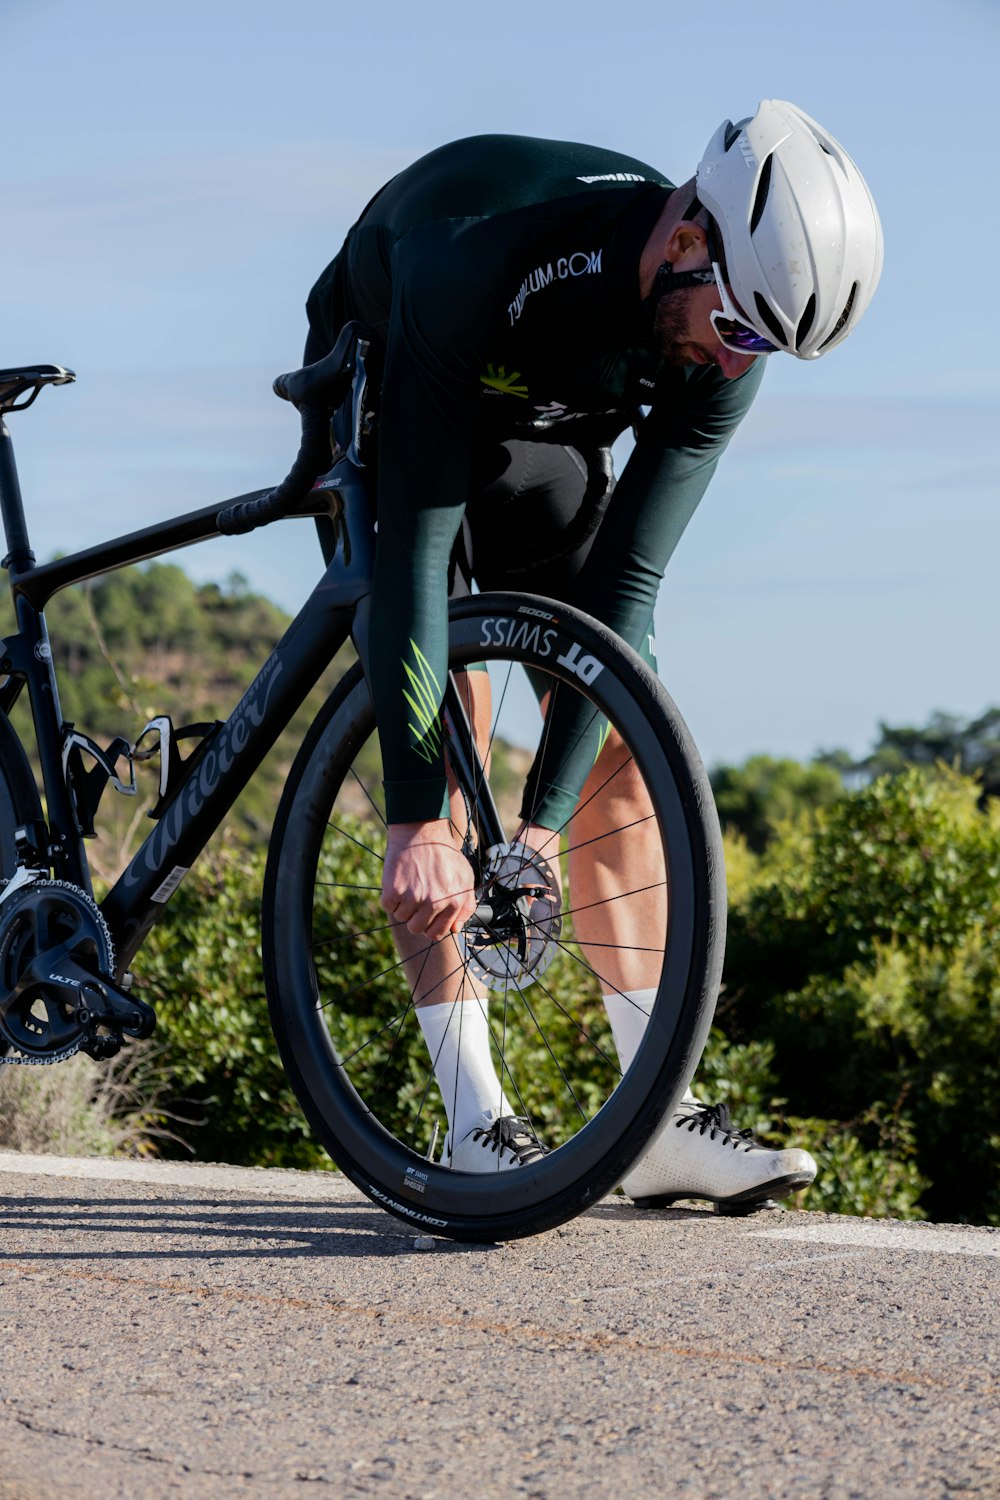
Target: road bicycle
(341, 1008)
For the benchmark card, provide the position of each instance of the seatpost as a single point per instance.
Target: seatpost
(20, 558)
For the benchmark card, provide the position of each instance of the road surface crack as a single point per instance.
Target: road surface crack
(42, 1429)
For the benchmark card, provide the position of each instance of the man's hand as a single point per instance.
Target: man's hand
(427, 882)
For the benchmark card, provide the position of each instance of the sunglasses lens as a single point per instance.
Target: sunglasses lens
(741, 338)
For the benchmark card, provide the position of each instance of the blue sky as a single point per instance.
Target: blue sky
(173, 178)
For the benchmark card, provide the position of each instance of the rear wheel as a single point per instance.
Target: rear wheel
(629, 898)
(19, 804)
(18, 794)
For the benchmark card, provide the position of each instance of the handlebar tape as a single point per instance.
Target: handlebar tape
(313, 459)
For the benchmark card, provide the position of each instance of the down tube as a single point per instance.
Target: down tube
(138, 899)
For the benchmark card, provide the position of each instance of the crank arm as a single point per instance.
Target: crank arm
(114, 1008)
(96, 999)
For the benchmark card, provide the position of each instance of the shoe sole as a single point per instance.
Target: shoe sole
(740, 1203)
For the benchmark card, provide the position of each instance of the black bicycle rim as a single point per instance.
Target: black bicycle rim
(389, 1162)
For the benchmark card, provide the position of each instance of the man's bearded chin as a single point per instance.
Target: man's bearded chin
(671, 325)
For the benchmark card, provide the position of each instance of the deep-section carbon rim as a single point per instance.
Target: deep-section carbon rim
(341, 1006)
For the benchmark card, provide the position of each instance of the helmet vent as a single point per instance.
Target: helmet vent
(842, 319)
(767, 317)
(763, 184)
(805, 322)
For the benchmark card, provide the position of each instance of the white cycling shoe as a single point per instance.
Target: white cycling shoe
(495, 1144)
(700, 1154)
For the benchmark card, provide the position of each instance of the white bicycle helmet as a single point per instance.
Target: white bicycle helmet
(801, 238)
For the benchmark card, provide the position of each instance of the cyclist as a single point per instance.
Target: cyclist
(532, 299)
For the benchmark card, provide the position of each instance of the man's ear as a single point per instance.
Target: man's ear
(687, 246)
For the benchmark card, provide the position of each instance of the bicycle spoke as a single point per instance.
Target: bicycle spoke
(350, 937)
(385, 1066)
(374, 805)
(493, 729)
(344, 834)
(604, 983)
(343, 885)
(569, 911)
(365, 983)
(559, 1068)
(610, 834)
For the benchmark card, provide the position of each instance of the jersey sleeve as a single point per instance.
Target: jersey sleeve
(676, 453)
(428, 395)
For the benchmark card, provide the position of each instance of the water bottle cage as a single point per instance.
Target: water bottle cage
(87, 784)
(173, 766)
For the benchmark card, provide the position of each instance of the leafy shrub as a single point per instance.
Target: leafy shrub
(860, 1016)
(867, 953)
(755, 799)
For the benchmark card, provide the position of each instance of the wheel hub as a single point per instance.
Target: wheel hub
(513, 937)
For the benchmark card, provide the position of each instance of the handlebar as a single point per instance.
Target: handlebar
(316, 390)
(313, 459)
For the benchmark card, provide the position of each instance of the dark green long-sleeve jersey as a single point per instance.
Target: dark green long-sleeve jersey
(501, 274)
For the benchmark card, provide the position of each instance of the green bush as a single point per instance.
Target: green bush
(860, 1016)
(867, 953)
(755, 799)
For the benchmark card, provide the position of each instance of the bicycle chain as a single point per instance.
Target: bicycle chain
(19, 1059)
(15, 1059)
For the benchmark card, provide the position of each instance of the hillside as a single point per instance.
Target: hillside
(148, 640)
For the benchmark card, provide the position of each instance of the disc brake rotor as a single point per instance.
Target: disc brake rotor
(513, 937)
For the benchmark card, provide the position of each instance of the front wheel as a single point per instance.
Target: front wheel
(628, 901)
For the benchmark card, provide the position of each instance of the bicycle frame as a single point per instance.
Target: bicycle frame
(335, 610)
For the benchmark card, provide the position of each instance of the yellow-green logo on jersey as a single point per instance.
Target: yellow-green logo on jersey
(425, 705)
(497, 379)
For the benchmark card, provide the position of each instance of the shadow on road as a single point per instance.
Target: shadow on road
(189, 1228)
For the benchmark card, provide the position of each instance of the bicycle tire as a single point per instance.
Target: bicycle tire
(319, 1049)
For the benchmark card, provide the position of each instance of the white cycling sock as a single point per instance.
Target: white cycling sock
(629, 1012)
(458, 1040)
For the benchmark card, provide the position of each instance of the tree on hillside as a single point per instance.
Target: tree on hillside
(147, 640)
(755, 798)
(971, 746)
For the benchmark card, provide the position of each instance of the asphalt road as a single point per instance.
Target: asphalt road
(210, 1332)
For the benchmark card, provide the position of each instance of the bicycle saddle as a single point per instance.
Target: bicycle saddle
(328, 381)
(18, 381)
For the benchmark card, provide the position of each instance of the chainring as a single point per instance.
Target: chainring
(37, 1027)
(513, 937)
